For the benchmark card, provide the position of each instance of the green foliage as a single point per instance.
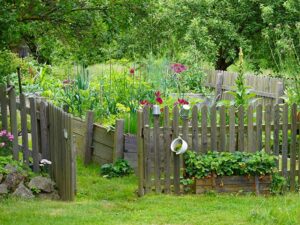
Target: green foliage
(4, 160)
(242, 95)
(118, 169)
(279, 184)
(227, 164)
(8, 65)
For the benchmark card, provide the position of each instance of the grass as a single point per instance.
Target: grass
(102, 201)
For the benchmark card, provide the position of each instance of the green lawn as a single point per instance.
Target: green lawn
(102, 201)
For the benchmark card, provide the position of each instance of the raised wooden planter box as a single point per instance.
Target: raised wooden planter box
(233, 184)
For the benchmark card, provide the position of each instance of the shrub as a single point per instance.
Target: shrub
(119, 169)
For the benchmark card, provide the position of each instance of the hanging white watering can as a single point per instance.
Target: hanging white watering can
(179, 146)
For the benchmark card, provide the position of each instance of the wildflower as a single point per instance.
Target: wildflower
(3, 133)
(10, 137)
(178, 68)
(131, 71)
(159, 100)
(45, 162)
(157, 94)
(2, 144)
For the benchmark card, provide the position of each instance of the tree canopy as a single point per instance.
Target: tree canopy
(212, 31)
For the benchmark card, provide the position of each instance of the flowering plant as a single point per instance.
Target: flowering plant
(157, 99)
(178, 68)
(44, 166)
(6, 139)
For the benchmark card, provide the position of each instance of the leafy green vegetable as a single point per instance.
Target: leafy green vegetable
(119, 169)
(227, 164)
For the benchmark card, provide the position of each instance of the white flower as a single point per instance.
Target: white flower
(45, 161)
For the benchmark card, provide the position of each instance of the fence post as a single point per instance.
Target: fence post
(88, 137)
(118, 152)
(44, 123)
(140, 152)
(14, 122)
(24, 129)
(279, 92)
(219, 84)
(34, 135)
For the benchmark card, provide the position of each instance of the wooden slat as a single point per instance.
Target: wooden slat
(285, 117)
(34, 136)
(14, 122)
(259, 127)
(167, 142)
(293, 148)
(241, 128)
(222, 128)
(147, 152)
(157, 155)
(204, 129)
(24, 130)
(44, 130)
(119, 140)
(213, 123)
(140, 153)
(195, 133)
(103, 151)
(60, 169)
(268, 119)
(89, 137)
(251, 145)
(102, 136)
(51, 153)
(65, 155)
(276, 132)
(232, 140)
(176, 157)
(72, 152)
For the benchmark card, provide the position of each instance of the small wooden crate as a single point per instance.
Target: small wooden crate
(234, 184)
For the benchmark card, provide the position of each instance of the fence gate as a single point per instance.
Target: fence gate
(48, 129)
(273, 128)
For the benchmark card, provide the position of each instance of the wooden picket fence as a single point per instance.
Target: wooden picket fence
(274, 129)
(269, 90)
(50, 135)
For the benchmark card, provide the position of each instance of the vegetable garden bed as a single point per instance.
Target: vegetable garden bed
(234, 184)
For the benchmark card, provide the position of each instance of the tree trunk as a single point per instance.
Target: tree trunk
(223, 62)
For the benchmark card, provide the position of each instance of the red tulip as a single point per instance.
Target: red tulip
(159, 100)
(131, 71)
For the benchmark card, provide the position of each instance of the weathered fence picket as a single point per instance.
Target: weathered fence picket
(48, 130)
(234, 129)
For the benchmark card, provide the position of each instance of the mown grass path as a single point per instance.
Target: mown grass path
(102, 201)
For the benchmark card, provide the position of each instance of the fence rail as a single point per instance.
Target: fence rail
(46, 133)
(270, 90)
(274, 129)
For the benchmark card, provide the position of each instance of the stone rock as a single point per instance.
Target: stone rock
(10, 168)
(1, 177)
(49, 196)
(13, 180)
(43, 184)
(3, 189)
(23, 192)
